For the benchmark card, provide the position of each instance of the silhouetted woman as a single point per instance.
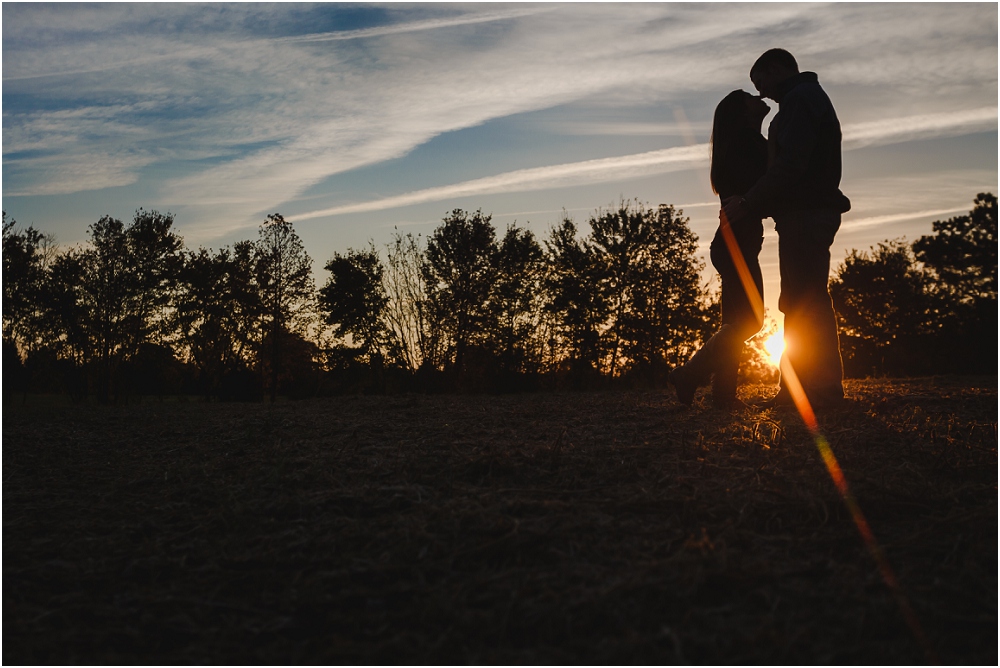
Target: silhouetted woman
(739, 158)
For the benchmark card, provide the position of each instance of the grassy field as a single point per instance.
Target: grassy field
(550, 528)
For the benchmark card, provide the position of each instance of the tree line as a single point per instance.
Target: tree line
(929, 307)
(135, 313)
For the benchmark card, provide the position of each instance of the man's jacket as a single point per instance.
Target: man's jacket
(804, 163)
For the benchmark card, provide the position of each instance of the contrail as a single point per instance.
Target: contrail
(896, 217)
(537, 178)
(667, 160)
(929, 125)
(429, 24)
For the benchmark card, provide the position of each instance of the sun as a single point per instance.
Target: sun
(774, 345)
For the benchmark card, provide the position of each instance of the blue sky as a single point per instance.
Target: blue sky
(354, 119)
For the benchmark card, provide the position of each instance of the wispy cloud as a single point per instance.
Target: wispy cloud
(666, 160)
(416, 26)
(923, 126)
(538, 178)
(872, 221)
(182, 51)
(245, 122)
(89, 172)
(624, 128)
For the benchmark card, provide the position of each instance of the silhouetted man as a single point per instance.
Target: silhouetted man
(801, 192)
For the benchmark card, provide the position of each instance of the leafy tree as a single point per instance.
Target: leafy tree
(670, 308)
(128, 274)
(961, 256)
(574, 296)
(22, 278)
(459, 274)
(284, 276)
(885, 310)
(24, 264)
(201, 313)
(67, 322)
(107, 281)
(156, 258)
(354, 299)
(962, 252)
(244, 296)
(516, 301)
(219, 313)
(62, 345)
(929, 308)
(21, 284)
(620, 241)
(652, 283)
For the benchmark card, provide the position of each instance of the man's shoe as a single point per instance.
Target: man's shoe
(684, 385)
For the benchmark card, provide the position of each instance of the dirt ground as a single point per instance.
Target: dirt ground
(581, 528)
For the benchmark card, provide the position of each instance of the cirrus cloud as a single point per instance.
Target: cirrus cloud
(232, 110)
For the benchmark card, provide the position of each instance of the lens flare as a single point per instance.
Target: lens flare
(774, 346)
(791, 381)
(753, 294)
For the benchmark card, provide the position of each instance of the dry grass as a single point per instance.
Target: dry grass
(569, 528)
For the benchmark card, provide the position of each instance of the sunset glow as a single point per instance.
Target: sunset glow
(774, 346)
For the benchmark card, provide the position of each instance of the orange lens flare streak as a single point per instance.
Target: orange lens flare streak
(802, 404)
(805, 410)
(753, 294)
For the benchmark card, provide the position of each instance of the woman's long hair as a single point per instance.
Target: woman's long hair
(730, 118)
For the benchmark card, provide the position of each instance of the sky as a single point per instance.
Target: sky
(355, 121)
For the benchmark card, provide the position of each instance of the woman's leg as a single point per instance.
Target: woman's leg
(704, 365)
(737, 313)
(700, 368)
(719, 359)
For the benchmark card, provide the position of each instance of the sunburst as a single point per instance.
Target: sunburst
(774, 345)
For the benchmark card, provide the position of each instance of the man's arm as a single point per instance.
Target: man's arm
(796, 141)
(734, 209)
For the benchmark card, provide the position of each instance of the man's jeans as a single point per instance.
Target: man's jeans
(811, 341)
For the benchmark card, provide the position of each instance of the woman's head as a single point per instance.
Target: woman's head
(736, 113)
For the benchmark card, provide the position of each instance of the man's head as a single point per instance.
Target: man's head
(773, 68)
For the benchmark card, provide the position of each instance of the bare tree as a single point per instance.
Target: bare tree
(412, 340)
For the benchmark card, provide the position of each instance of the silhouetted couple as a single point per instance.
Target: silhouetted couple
(792, 177)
